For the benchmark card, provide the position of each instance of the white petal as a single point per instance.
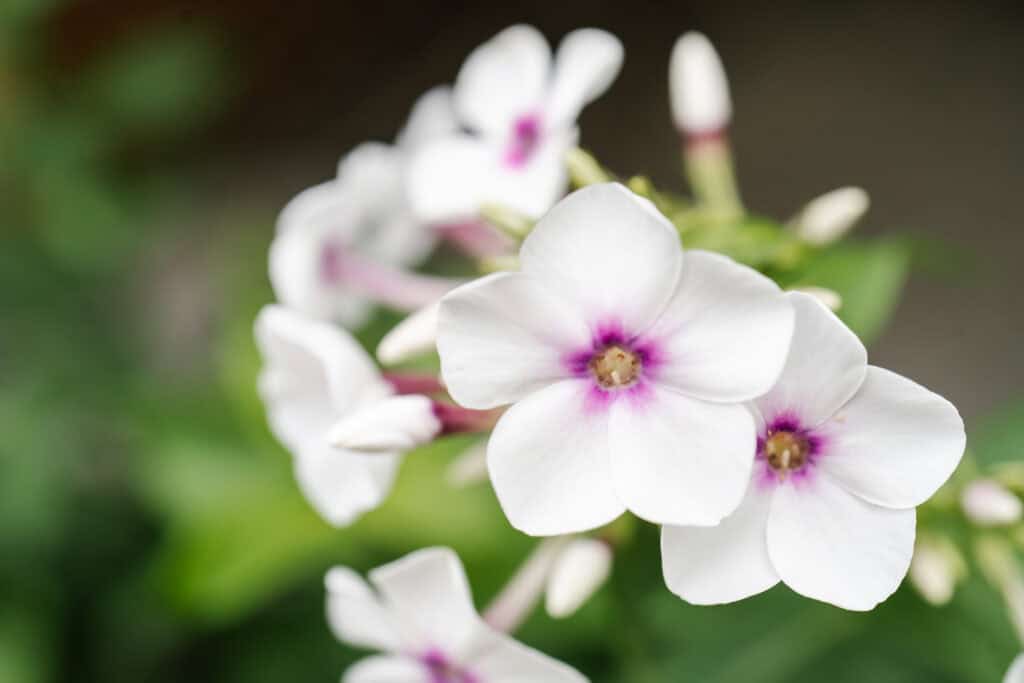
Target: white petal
(578, 572)
(342, 485)
(829, 545)
(394, 424)
(698, 86)
(415, 335)
(609, 252)
(678, 460)
(504, 660)
(725, 563)
(827, 218)
(586, 64)
(502, 337)
(387, 669)
(894, 443)
(1016, 672)
(313, 373)
(355, 613)
(502, 79)
(429, 596)
(550, 465)
(533, 188)
(447, 178)
(825, 367)
(432, 117)
(726, 331)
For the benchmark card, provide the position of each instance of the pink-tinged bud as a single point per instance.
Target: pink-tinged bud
(988, 503)
(827, 218)
(935, 569)
(578, 572)
(395, 424)
(415, 335)
(699, 90)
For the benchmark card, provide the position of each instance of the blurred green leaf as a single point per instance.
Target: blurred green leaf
(1000, 437)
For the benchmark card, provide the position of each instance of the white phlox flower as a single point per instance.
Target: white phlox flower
(520, 108)
(845, 452)
(316, 378)
(419, 614)
(343, 245)
(627, 362)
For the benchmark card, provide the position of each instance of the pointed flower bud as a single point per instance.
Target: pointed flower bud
(827, 218)
(578, 572)
(413, 336)
(936, 568)
(698, 87)
(988, 503)
(399, 423)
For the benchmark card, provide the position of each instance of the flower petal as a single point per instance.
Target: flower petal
(502, 79)
(1015, 674)
(504, 660)
(387, 669)
(502, 337)
(725, 563)
(355, 613)
(825, 367)
(432, 117)
(394, 424)
(829, 545)
(447, 178)
(608, 252)
(678, 460)
(342, 485)
(586, 64)
(725, 332)
(428, 594)
(895, 442)
(534, 187)
(549, 463)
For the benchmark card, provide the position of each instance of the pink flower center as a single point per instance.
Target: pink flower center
(787, 451)
(525, 138)
(615, 366)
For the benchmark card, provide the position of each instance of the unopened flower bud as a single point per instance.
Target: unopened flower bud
(415, 335)
(988, 503)
(579, 570)
(468, 467)
(829, 297)
(399, 423)
(935, 569)
(827, 218)
(699, 90)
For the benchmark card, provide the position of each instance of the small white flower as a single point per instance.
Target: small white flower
(580, 569)
(341, 245)
(846, 451)
(627, 363)
(315, 375)
(827, 218)
(521, 110)
(987, 503)
(1016, 672)
(421, 616)
(699, 90)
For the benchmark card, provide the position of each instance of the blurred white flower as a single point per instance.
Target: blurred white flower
(845, 453)
(315, 375)
(627, 363)
(936, 568)
(986, 502)
(580, 569)
(827, 218)
(699, 90)
(1015, 674)
(342, 245)
(521, 110)
(421, 616)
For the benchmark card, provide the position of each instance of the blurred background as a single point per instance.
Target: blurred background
(150, 528)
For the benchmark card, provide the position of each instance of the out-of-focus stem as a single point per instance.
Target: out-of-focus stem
(709, 166)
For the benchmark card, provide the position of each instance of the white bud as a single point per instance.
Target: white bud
(469, 467)
(579, 570)
(415, 335)
(1016, 672)
(829, 297)
(828, 217)
(395, 424)
(988, 503)
(935, 569)
(698, 88)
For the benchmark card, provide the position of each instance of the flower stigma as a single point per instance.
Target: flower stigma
(786, 451)
(615, 367)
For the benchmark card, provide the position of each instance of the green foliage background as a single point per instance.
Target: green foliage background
(150, 528)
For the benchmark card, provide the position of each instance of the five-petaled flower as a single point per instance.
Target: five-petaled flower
(342, 245)
(521, 110)
(422, 617)
(845, 453)
(316, 379)
(627, 362)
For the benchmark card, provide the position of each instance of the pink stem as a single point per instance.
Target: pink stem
(476, 238)
(399, 289)
(458, 420)
(425, 383)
